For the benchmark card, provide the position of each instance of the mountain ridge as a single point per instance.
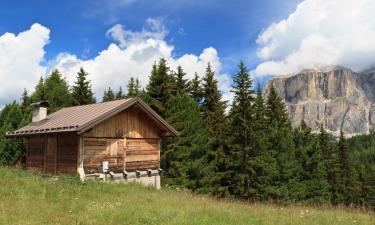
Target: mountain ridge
(333, 96)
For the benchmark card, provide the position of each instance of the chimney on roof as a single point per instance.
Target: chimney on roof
(39, 111)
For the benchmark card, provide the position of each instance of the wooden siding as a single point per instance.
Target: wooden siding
(50, 155)
(67, 154)
(131, 123)
(53, 154)
(35, 153)
(142, 154)
(139, 154)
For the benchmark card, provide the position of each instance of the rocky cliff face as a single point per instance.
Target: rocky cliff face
(338, 98)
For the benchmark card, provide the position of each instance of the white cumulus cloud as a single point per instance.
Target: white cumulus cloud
(320, 33)
(21, 56)
(132, 54)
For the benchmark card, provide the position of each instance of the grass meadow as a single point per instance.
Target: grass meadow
(27, 198)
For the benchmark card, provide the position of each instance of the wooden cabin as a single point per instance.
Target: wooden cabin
(117, 140)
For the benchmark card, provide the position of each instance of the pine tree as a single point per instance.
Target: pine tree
(108, 95)
(265, 162)
(282, 146)
(137, 88)
(39, 93)
(276, 109)
(56, 90)
(314, 187)
(196, 90)
(119, 94)
(131, 87)
(81, 91)
(10, 118)
(241, 126)
(182, 85)
(185, 155)
(213, 106)
(347, 178)
(214, 117)
(160, 88)
(330, 160)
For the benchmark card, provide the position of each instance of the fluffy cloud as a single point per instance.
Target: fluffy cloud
(133, 54)
(21, 56)
(320, 33)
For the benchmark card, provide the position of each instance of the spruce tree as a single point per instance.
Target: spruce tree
(265, 162)
(108, 95)
(215, 121)
(184, 155)
(131, 87)
(160, 87)
(120, 94)
(314, 187)
(242, 152)
(81, 91)
(182, 84)
(10, 118)
(275, 109)
(137, 88)
(330, 160)
(196, 90)
(282, 146)
(347, 178)
(55, 90)
(39, 93)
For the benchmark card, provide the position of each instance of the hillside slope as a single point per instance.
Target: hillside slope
(26, 198)
(336, 97)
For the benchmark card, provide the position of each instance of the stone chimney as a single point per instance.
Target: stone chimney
(39, 111)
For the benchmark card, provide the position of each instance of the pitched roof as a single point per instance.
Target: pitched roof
(81, 118)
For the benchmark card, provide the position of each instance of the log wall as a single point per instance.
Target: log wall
(122, 154)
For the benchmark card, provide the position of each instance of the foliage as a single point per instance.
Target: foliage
(185, 155)
(108, 95)
(81, 90)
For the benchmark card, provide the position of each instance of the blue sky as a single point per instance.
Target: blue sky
(116, 39)
(79, 27)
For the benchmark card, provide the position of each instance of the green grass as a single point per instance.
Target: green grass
(27, 198)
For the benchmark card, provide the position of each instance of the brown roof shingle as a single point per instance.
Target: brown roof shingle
(81, 118)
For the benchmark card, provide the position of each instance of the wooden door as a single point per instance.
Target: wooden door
(50, 156)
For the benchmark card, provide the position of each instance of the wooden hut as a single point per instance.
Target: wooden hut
(117, 140)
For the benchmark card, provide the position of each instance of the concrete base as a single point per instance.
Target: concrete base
(147, 178)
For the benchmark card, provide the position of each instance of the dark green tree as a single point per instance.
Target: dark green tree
(120, 94)
(347, 179)
(108, 95)
(182, 84)
(81, 90)
(160, 87)
(286, 185)
(196, 90)
(39, 93)
(241, 125)
(10, 118)
(215, 121)
(314, 187)
(131, 87)
(330, 160)
(57, 92)
(275, 109)
(184, 156)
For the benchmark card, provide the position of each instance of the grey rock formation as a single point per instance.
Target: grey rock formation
(336, 97)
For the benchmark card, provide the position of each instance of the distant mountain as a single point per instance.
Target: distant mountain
(335, 96)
